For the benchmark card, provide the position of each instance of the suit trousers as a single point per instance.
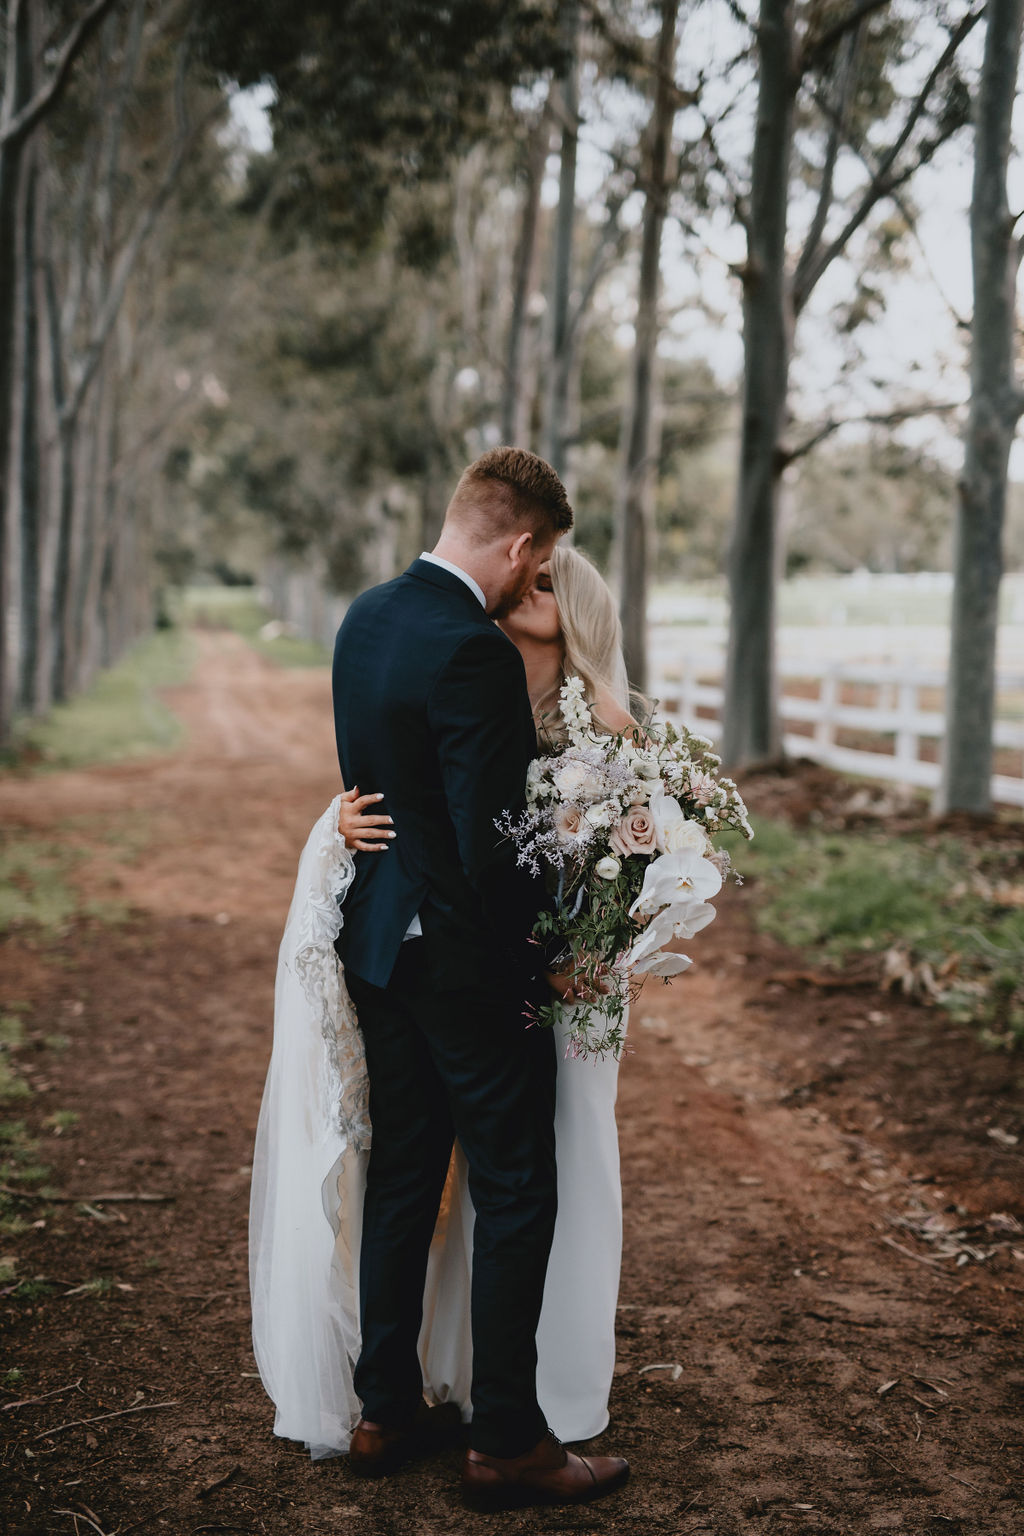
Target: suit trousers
(447, 1062)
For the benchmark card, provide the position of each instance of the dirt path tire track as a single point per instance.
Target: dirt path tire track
(759, 1189)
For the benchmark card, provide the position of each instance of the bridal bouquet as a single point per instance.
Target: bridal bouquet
(622, 826)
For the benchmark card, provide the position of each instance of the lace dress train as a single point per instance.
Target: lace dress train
(309, 1169)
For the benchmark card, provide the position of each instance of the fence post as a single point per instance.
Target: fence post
(906, 735)
(828, 695)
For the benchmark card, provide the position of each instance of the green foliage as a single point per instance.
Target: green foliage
(876, 505)
(18, 1153)
(35, 881)
(951, 912)
(11, 1085)
(12, 1030)
(32, 1290)
(373, 95)
(100, 1285)
(62, 1120)
(120, 716)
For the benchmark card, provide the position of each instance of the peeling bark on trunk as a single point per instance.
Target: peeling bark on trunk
(751, 730)
(994, 412)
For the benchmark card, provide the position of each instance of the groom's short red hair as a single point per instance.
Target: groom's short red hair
(507, 489)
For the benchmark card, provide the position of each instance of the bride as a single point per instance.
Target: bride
(313, 1136)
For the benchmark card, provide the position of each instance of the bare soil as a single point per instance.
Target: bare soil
(824, 1264)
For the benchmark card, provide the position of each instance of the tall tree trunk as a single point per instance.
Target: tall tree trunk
(100, 510)
(515, 399)
(22, 500)
(994, 411)
(557, 429)
(17, 90)
(751, 727)
(639, 464)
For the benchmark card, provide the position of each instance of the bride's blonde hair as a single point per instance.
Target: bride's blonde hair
(591, 631)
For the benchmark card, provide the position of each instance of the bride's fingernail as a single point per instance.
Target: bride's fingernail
(391, 834)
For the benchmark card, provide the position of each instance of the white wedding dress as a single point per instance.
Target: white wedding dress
(309, 1169)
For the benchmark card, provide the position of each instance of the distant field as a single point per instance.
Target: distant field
(891, 619)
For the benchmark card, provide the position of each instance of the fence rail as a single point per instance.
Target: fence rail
(691, 691)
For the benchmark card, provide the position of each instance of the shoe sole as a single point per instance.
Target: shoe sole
(491, 1499)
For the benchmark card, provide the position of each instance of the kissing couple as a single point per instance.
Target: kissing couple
(460, 1263)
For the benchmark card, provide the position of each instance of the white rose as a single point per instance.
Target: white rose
(683, 836)
(570, 779)
(607, 867)
(674, 833)
(602, 815)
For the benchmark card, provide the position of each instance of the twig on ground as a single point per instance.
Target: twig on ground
(74, 1423)
(882, 1457)
(219, 1482)
(26, 1402)
(922, 1258)
(972, 1486)
(76, 1515)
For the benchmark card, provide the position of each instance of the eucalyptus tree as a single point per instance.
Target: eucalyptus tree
(997, 402)
(636, 490)
(34, 83)
(831, 69)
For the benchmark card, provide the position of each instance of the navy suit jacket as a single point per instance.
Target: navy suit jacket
(431, 709)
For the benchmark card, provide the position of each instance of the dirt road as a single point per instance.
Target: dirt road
(824, 1264)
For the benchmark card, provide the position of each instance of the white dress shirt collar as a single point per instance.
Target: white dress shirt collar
(446, 565)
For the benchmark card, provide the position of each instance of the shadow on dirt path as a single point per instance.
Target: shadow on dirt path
(819, 1324)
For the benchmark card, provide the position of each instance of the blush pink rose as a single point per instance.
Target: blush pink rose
(635, 833)
(568, 820)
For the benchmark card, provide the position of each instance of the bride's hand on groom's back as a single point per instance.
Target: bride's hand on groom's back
(362, 830)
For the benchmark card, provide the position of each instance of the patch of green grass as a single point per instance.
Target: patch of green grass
(37, 886)
(119, 716)
(35, 881)
(62, 1120)
(32, 1290)
(11, 1085)
(101, 1285)
(12, 1030)
(13, 1376)
(240, 609)
(952, 907)
(57, 1043)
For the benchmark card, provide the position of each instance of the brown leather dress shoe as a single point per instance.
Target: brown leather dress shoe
(377, 1449)
(549, 1474)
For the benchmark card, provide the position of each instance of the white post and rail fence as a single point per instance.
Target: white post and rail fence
(882, 721)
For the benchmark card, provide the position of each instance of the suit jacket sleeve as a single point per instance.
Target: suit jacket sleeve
(480, 718)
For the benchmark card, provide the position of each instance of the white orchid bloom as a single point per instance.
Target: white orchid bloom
(675, 878)
(663, 964)
(680, 920)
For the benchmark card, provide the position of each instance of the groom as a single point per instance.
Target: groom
(431, 708)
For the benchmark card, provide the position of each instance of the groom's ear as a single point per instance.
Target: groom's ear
(520, 548)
